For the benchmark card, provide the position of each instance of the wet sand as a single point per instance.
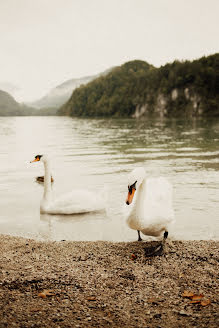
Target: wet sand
(104, 284)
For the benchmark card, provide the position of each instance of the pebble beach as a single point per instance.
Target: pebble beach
(105, 284)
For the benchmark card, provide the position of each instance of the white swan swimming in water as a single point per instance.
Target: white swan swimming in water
(152, 210)
(75, 202)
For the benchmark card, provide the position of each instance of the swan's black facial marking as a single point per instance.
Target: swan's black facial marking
(133, 186)
(38, 157)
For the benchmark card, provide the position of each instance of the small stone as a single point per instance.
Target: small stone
(184, 313)
(157, 316)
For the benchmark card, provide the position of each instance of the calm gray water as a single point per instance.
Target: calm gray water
(88, 153)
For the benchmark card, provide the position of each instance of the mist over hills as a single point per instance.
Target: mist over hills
(10, 107)
(60, 94)
(9, 87)
(46, 106)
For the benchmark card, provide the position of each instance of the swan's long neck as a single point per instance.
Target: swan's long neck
(141, 195)
(138, 199)
(47, 181)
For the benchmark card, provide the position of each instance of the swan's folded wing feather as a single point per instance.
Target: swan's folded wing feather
(158, 200)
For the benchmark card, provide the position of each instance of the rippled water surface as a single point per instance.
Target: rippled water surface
(88, 153)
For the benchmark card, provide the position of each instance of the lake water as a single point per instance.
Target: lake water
(90, 153)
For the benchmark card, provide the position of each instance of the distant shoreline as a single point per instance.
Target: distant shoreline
(100, 284)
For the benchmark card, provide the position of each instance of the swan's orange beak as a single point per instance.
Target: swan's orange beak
(35, 160)
(130, 196)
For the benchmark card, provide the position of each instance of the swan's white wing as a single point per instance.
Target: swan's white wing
(75, 202)
(158, 207)
(158, 200)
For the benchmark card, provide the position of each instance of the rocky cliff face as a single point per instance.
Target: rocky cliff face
(164, 105)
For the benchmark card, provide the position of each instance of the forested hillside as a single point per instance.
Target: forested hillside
(138, 88)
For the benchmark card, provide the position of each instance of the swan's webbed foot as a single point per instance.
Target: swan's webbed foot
(139, 236)
(154, 250)
(158, 249)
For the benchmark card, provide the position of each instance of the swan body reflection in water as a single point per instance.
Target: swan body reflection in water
(84, 226)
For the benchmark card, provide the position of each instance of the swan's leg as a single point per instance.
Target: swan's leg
(139, 236)
(165, 235)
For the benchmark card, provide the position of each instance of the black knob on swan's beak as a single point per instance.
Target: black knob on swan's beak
(127, 202)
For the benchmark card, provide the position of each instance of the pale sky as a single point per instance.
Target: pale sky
(46, 42)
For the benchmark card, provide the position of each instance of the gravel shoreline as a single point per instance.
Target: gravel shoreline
(105, 284)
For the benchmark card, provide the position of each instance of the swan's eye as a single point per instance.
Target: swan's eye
(38, 157)
(133, 186)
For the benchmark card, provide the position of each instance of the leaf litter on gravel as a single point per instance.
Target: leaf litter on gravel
(196, 298)
(91, 298)
(46, 292)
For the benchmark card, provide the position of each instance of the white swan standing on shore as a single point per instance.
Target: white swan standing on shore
(152, 210)
(75, 202)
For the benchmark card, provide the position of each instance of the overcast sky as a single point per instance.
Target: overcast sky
(46, 42)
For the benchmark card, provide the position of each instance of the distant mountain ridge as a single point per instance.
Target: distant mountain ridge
(60, 94)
